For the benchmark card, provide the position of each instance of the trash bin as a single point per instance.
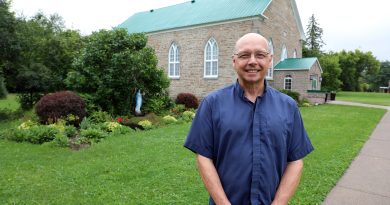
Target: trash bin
(332, 95)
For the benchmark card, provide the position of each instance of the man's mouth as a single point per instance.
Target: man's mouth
(252, 71)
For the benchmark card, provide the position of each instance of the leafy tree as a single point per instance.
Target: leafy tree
(113, 66)
(8, 42)
(357, 66)
(31, 82)
(382, 78)
(331, 72)
(312, 45)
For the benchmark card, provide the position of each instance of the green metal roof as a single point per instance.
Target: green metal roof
(191, 13)
(295, 64)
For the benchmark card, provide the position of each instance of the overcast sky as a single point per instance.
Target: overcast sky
(347, 24)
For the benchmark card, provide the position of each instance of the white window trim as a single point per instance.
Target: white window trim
(175, 62)
(284, 54)
(284, 82)
(295, 53)
(270, 73)
(314, 78)
(210, 42)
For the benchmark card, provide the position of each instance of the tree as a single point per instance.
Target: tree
(356, 67)
(312, 45)
(331, 72)
(382, 78)
(8, 43)
(113, 66)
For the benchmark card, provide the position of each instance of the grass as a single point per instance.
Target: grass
(152, 167)
(10, 102)
(364, 97)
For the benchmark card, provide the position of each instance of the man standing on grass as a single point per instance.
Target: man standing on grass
(249, 138)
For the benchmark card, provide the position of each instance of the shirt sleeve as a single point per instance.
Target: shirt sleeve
(299, 142)
(200, 137)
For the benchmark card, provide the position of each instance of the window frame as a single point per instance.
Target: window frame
(212, 60)
(288, 77)
(174, 64)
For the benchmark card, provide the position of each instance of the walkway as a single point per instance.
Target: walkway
(367, 180)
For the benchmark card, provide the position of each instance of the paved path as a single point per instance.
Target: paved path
(367, 180)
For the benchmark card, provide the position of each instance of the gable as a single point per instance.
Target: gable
(192, 13)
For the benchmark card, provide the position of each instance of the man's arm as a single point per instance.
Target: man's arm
(211, 180)
(289, 182)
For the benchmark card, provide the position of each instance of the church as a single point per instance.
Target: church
(194, 42)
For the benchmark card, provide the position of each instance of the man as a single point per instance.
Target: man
(249, 138)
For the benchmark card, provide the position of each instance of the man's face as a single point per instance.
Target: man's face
(251, 59)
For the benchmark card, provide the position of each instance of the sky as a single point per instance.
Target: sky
(347, 24)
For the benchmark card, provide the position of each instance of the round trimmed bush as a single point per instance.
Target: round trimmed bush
(61, 105)
(189, 100)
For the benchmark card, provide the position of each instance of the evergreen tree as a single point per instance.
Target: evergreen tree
(312, 45)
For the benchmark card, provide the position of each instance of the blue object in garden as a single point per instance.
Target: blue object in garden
(138, 102)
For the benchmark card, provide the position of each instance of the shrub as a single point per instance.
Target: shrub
(178, 109)
(61, 140)
(91, 134)
(292, 94)
(188, 116)
(188, 100)
(70, 131)
(146, 124)
(85, 123)
(37, 134)
(111, 126)
(157, 104)
(28, 100)
(100, 117)
(169, 119)
(8, 114)
(55, 106)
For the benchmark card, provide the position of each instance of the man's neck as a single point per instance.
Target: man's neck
(252, 90)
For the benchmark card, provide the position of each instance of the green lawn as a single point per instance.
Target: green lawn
(152, 167)
(363, 97)
(10, 102)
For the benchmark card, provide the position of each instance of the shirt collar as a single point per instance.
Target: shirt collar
(241, 91)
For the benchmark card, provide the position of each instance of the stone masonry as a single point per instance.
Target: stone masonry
(279, 25)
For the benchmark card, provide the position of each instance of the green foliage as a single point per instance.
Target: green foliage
(157, 104)
(169, 119)
(292, 94)
(61, 140)
(36, 134)
(381, 79)
(94, 135)
(85, 123)
(113, 66)
(356, 67)
(100, 117)
(146, 124)
(28, 100)
(188, 116)
(312, 46)
(8, 114)
(331, 72)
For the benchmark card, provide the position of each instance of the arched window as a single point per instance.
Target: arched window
(173, 62)
(270, 73)
(295, 53)
(284, 53)
(211, 59)
(287, 85)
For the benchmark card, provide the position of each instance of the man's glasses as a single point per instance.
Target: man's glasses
(247, 55)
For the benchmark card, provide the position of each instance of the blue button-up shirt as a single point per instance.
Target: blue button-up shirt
(250, 143)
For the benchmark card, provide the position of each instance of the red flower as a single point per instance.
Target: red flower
(119, 120)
